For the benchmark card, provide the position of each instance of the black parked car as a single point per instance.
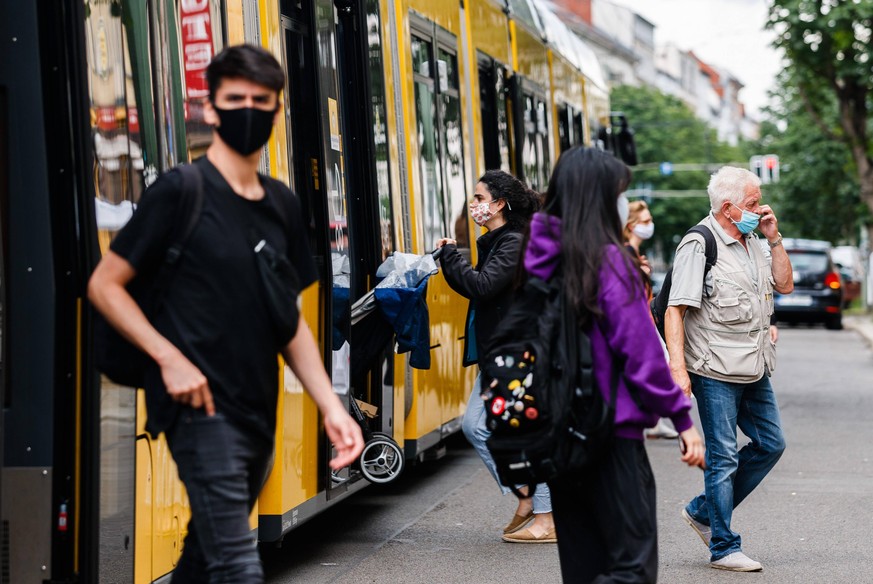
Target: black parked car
(818, 288)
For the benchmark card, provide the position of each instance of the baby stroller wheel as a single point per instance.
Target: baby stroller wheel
(381, 459)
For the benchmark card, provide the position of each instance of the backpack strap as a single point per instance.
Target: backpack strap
(188, 212)
(282, 203)
(710, 247)
(187, 215)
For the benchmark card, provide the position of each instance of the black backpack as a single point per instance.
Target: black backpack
(546, 415)
(114, 355)
(658, 305)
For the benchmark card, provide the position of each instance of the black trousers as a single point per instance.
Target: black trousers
(223, 469)
(606, 520)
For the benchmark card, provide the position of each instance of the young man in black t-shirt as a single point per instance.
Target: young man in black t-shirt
(213, 386)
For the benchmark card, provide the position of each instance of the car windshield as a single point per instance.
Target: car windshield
(808, 261)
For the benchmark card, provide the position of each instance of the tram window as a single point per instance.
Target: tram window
(535, 142)
(543, 162)
(134, 140)
(565, 136)
(495, 125)
(118, 146)
(201, 34)
(521, 10)
(430, 169)
(453, 140)
(578, 129)
(529, 152)
(440, 134)
(380, 128)
(502, 117)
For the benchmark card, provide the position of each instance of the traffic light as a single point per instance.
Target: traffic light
(766, 167)
(771, 163)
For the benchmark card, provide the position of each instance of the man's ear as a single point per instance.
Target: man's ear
(210, 116)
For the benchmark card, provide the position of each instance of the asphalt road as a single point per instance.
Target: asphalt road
(809, 522)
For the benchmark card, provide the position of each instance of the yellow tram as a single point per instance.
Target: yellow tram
(392, 109)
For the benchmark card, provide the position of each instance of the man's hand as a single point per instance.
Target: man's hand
(345, 434)
(691, 447)
(680, 376)
(445, 241)
(768, 225)
(185, 383)
(774, 333)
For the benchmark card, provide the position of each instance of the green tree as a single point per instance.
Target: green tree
(830, 55)
(666, 130)
(817, 194)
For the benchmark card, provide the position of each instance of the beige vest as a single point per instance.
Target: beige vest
(728, 337)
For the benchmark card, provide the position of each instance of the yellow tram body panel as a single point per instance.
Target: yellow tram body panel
(531, 54)
(293, 479)
(489, 30)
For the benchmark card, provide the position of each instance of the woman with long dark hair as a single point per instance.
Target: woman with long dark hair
(503, 205)
(605, 517)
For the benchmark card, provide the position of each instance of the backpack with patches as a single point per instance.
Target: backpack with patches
(546, 415)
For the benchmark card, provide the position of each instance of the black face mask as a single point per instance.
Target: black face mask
(245, 129)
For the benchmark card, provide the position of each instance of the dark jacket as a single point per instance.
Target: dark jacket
(489, 287)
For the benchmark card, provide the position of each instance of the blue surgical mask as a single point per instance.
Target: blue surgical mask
(748, 222)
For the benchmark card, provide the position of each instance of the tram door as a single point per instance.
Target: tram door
(318, 164)
(340, 172)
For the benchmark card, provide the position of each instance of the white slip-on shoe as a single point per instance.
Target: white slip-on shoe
(737, 562)
(704, 531)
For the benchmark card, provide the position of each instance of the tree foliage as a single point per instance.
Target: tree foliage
(830, 68)
(666, 130)
(817, 195)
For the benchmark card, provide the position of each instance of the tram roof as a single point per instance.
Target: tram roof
(541, 15)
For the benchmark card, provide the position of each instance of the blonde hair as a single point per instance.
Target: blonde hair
(729, 184)
(635, 209)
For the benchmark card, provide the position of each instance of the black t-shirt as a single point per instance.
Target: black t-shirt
(214, 306)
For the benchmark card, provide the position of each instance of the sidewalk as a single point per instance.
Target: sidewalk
(862, 323)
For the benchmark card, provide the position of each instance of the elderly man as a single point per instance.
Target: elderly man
(717, 330)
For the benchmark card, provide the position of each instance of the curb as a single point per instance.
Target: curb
(863, 325)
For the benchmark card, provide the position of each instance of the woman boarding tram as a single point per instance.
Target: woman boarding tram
(503, 206)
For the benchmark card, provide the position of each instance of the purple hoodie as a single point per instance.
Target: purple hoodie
(625, 333)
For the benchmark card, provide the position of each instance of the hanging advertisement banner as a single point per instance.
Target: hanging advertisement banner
(194, 18)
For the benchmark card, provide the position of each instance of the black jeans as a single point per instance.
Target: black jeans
(223, 469)
(606, 519)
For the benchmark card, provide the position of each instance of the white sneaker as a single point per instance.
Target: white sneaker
(661, 430)
(704, 531)
(737, 562)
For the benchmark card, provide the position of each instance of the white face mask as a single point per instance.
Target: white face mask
(623, 210)
(644, 230)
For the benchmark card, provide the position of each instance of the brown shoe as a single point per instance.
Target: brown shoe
(525, 536)
(518, 522)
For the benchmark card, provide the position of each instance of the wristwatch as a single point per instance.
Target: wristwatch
(776, 243)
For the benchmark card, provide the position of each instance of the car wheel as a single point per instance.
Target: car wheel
(834, 322)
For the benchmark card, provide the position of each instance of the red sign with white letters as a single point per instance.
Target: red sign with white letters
(195, 21)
